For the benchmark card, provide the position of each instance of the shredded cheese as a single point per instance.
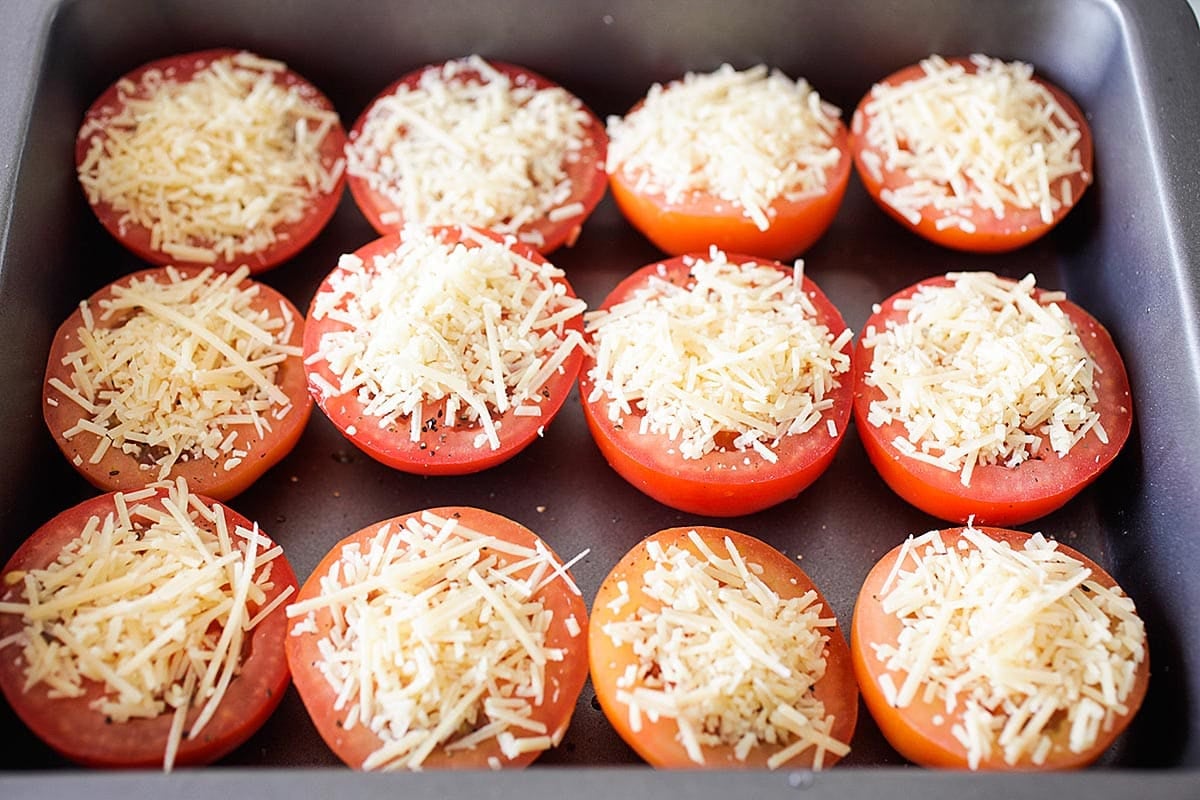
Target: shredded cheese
(980, 373)
(736, 352)
(214, 166)
(435, 639)
(172, 363)
(726, 657)
(153, 603)
(472, 326)
(470, 144)
(987, 138)
(750, 138)
(1023, 648)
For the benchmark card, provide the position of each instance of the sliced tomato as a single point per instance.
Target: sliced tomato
(289, 238)
(656, 739)
(83, 734)
(998, 495)
(564, 678)
(991, 234)
(121, 471)
(440, 449)
(584, 169)
(722, 483)
(921, 731)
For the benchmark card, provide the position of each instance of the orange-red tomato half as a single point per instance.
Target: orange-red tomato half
(656, 739)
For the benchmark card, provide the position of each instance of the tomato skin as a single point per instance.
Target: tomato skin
(440, 450)
(586, 174)
(1018, 228)
(692, 224)
(656, 742)
(911, 731)
(118, 471)
(291, 238)
(998, 495)
(564, 679)
(720, 484)
(83, 735)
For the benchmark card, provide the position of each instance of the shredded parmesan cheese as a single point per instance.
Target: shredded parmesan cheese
(153, 603)
(1019, 646)
(436, 640)
(749, 137)
(736, 352)
(966, 140)
(981, 373)
(170, 363)
(726, 657)
(470, 144)
(473, 326)
(213, 166)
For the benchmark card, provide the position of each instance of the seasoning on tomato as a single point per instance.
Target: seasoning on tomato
(710, 648)
(443, 351)
(993, 649)
(217, 158)
(717, 384)
(446, 638)
(980, 396)
(750, 161)
(478, 143)
(972, 153)
(178, 372)
(145, 628)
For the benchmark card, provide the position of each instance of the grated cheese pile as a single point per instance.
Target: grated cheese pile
(726, 657)
(170, 364)
(153, 603)
(472, 325)
(1017, 645)
(212, 166)
(470, 144)
(750, 138)
(986, 139)
(737, 353)
(436, 640)
(982, 373)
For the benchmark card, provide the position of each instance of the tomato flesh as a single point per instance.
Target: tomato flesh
(84, 735)
(657, 740)
(998, 495)
(289, 237)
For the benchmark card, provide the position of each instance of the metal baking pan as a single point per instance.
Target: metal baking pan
(1130, 253)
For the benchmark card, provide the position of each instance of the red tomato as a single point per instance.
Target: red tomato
(700, 219)
(120, 471)
(721, 483)
(85, 735)
(440, 450)
(563, 679)
(585, 170)
(288, 239)
(998, 495)
(1018, 227)
(657, 740)
(921, 731)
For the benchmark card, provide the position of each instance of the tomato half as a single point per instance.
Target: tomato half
(998, 495)
(921, 731)
(83, 734)
(286, 239)
(990, 234)
(550, 230)
(563, 679)
(658, 741)
(724, 482)
(440, 449)
(219, 478)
